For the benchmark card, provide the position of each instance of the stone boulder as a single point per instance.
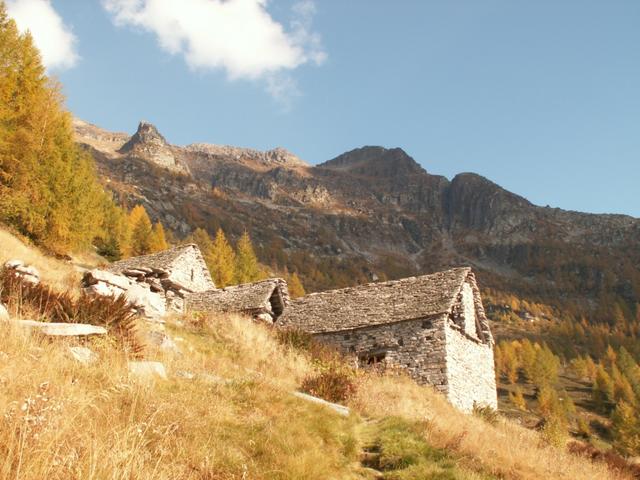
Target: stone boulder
(146, 302)
(339, 409)
(26, 273)
(151, 305)
(4, 314)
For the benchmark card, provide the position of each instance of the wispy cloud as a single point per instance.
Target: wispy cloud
(54, 39)
(237, 36)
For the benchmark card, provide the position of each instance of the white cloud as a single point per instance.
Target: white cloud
(238, 36)
(53, 38)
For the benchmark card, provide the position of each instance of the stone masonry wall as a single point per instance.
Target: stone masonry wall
(189, 271)
(470, 370)
(415, 345)
(469, 309)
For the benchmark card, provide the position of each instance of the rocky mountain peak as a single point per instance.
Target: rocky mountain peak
(149, 144)
(147, 134)
(375, 161)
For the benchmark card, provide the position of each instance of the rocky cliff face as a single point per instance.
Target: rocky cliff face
(373, 212)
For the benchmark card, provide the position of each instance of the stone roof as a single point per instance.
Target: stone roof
(377, 303)
(255, 297)
(157, 261)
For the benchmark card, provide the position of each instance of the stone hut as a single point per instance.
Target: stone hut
(265, 300)
(181, 267)
(434, 326)
(154, 283)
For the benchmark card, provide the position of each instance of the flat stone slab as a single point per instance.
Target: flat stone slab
(62, 329)
(97, 275)
(340, 409)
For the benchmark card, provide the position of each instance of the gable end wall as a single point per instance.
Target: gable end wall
(470, 363)
(181, 268)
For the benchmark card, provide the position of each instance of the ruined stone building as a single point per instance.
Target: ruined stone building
(178, 280)
(434, 326)
(182, 267)
(264, 300)
(154, 284)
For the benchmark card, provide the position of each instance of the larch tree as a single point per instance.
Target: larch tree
(221, 260)
(626, 428)
(202, 239)
(141, 231)
(48, 187)
(296, 289)
(247, 268)
(158, 238)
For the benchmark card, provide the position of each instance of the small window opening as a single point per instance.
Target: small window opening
(427, 324)
(192, 274)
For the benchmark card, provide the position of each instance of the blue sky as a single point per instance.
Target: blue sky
(542, 97)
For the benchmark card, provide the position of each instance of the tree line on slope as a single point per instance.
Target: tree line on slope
(230, 267)
(614, 381)
(48, 187)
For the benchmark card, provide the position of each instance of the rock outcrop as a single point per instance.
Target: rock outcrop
(26, 273)
(148, 143)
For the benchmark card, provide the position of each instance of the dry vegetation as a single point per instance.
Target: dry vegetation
(59, 274)
(233, 417)
(227, 412)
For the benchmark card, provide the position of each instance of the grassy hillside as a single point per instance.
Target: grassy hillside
(59, 274)
(227, 411)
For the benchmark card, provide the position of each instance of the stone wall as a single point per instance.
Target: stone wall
(189, 271)
(470, 370)
(418, 346)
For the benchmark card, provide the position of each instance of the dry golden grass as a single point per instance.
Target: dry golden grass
(63, 420)
(233, 419)
(505, 450)
(58, 274)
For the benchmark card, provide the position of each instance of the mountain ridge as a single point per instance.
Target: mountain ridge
(372, 211)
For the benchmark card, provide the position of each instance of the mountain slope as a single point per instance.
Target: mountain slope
(226, 410)
(371, 213)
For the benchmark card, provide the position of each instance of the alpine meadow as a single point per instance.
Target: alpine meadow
(173, 308)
